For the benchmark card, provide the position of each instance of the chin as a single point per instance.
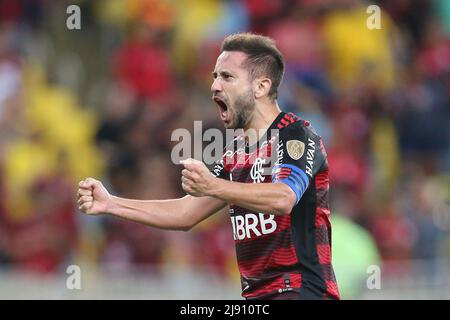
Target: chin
(229, 125)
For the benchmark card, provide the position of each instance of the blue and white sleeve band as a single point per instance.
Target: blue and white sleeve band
(293, 176)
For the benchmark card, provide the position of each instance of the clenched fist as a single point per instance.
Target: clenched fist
(196, 180)
(93, 198)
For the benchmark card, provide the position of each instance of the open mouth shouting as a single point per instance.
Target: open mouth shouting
(223, 109)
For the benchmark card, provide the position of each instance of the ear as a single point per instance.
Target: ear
(261, 87)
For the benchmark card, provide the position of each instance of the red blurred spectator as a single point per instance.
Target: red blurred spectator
(394, 234)
(10, 10)
(434, 56)
(297, 40)
(347, 154)
(142, 64)
(260, 11)
(44, 241)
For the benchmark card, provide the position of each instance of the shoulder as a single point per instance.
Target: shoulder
(299, 128)
(299, 137)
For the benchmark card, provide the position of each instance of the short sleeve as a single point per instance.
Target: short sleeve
(299, 158)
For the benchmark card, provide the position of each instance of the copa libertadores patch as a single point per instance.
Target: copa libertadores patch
(295, 149)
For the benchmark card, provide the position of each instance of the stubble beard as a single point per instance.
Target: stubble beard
(244, 108)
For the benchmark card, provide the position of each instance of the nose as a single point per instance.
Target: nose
(216, 86)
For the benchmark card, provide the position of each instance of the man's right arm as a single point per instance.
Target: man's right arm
(173, 214)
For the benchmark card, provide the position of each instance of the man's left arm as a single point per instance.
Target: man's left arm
(270, 198)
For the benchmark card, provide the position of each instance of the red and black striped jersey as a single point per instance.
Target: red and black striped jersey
(291, 252)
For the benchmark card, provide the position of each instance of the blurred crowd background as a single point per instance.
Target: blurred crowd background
(103, 101)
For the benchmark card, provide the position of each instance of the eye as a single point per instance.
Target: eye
(226, 76)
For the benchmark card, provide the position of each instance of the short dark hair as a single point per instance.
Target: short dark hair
(264, 58)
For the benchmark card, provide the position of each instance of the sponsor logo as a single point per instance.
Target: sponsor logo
(246, 226)
(280, 153)
(310, 157)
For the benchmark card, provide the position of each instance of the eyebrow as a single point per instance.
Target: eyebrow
(226, 72)
(223, 72)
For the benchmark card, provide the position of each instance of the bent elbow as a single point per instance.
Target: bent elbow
(186, 228)
(188, 225)
(282, 209)
(286, 203)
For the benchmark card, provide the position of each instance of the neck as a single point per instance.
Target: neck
(263, 117)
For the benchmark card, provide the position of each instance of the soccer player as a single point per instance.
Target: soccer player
(280, 220)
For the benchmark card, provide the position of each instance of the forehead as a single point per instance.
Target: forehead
(231, 60)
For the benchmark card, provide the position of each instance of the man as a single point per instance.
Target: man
(280, 221)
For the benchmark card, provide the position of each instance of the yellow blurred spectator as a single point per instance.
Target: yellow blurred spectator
(356, 52)
(195, 19)
(386, 153)
(54, 126)
(156, 13)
